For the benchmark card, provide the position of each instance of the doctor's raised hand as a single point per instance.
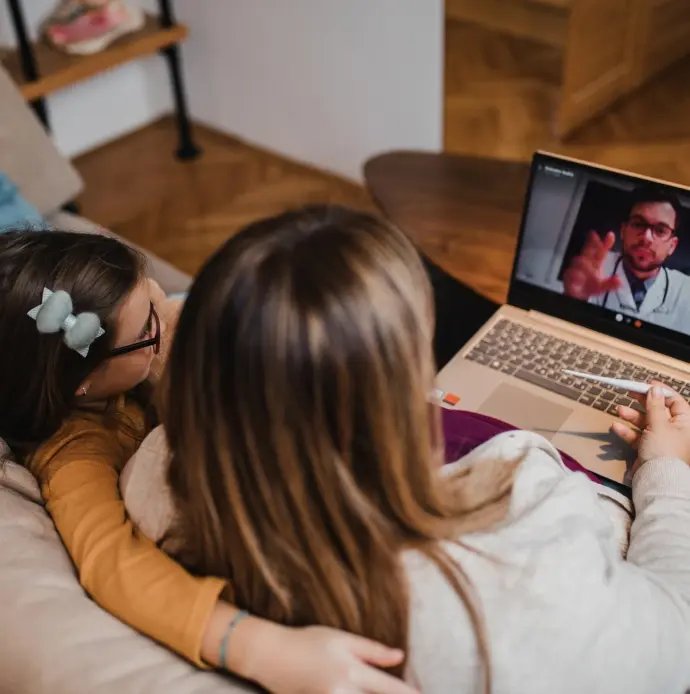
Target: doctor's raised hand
(584, 277)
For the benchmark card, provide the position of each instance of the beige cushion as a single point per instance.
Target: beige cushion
(54, 639)
(29, 157)
(16, 478)
(169, 277)
(145, 491)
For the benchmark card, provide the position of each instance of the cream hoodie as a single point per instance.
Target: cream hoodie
(563, 610)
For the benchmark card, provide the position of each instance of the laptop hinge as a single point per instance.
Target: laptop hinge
(636, 353)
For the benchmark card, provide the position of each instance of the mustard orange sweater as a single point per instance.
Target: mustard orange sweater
(122, 570)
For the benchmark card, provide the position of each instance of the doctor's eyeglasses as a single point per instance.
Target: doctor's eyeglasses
(660, 232)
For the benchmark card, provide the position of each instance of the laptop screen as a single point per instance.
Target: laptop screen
(607, 250)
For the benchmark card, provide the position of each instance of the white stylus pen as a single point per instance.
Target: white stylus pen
(623, 384)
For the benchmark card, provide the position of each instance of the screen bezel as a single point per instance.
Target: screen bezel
(532, 298)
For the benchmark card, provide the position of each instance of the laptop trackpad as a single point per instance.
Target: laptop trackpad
(524, 410)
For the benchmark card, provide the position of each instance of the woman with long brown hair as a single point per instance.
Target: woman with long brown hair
(78, 334)
(305, 466)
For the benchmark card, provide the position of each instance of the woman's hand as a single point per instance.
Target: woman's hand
(320, 660)
(662, 432)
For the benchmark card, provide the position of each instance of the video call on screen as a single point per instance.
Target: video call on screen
(650, 254)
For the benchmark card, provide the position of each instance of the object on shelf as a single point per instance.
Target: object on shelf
(78, 27)
(57, 70)
(39, 70)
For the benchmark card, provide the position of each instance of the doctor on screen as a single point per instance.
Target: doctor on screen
(636, 281)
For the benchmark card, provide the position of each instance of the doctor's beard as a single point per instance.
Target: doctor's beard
(642, 259)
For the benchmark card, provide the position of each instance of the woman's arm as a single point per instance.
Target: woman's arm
(645, 620)
(660, 534)
(643, 606)
(659, 537)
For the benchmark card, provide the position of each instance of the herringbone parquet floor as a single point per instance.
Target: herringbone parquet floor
(502, 93)
(184, 210)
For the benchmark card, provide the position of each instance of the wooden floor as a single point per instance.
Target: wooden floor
(501, 97)
(184, 210)
(501, 92)
(500, 101)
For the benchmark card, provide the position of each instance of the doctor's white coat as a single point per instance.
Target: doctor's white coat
(666, 304)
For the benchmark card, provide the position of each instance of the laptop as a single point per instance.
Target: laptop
(513, 368)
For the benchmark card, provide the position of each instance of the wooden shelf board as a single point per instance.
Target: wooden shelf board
(59, 70)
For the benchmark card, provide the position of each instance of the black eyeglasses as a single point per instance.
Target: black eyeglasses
(152, 326)
(661, 232)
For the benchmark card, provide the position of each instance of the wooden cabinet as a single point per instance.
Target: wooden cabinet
(614, 46)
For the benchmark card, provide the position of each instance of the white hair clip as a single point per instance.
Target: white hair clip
(55, 314)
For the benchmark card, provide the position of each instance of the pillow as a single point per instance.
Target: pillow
(28, 155)
(17, 478)
(15, 211)
(5, 453)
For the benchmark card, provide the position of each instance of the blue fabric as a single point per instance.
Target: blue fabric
(15, 211)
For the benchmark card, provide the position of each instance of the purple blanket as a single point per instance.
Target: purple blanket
(464, 431)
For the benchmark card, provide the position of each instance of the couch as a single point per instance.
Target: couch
(53, 638)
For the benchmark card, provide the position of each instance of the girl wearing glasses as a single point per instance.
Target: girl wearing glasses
(79, 335)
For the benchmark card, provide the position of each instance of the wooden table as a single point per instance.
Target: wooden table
(463, 213)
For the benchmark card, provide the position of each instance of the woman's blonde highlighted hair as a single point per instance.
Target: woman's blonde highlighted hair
(305, 454)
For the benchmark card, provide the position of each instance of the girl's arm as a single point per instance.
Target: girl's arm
(121, 569)
(130, 577)
(310, 660)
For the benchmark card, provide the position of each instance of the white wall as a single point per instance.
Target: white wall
(105, 107)
(329, 82)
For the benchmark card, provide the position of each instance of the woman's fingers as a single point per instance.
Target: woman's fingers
(677, 405)
(371, 680)
(629, 429)
(626, 433)
(637, 419)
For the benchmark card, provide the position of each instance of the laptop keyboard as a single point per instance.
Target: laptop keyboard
(540, 358)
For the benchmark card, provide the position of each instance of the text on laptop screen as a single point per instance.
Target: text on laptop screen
(609, 240)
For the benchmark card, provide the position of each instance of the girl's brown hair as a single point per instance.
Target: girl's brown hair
(39, 374)
(305, 454)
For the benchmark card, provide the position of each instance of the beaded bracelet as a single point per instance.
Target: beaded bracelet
(226, 636)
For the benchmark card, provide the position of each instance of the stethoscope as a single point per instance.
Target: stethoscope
(615, 272)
